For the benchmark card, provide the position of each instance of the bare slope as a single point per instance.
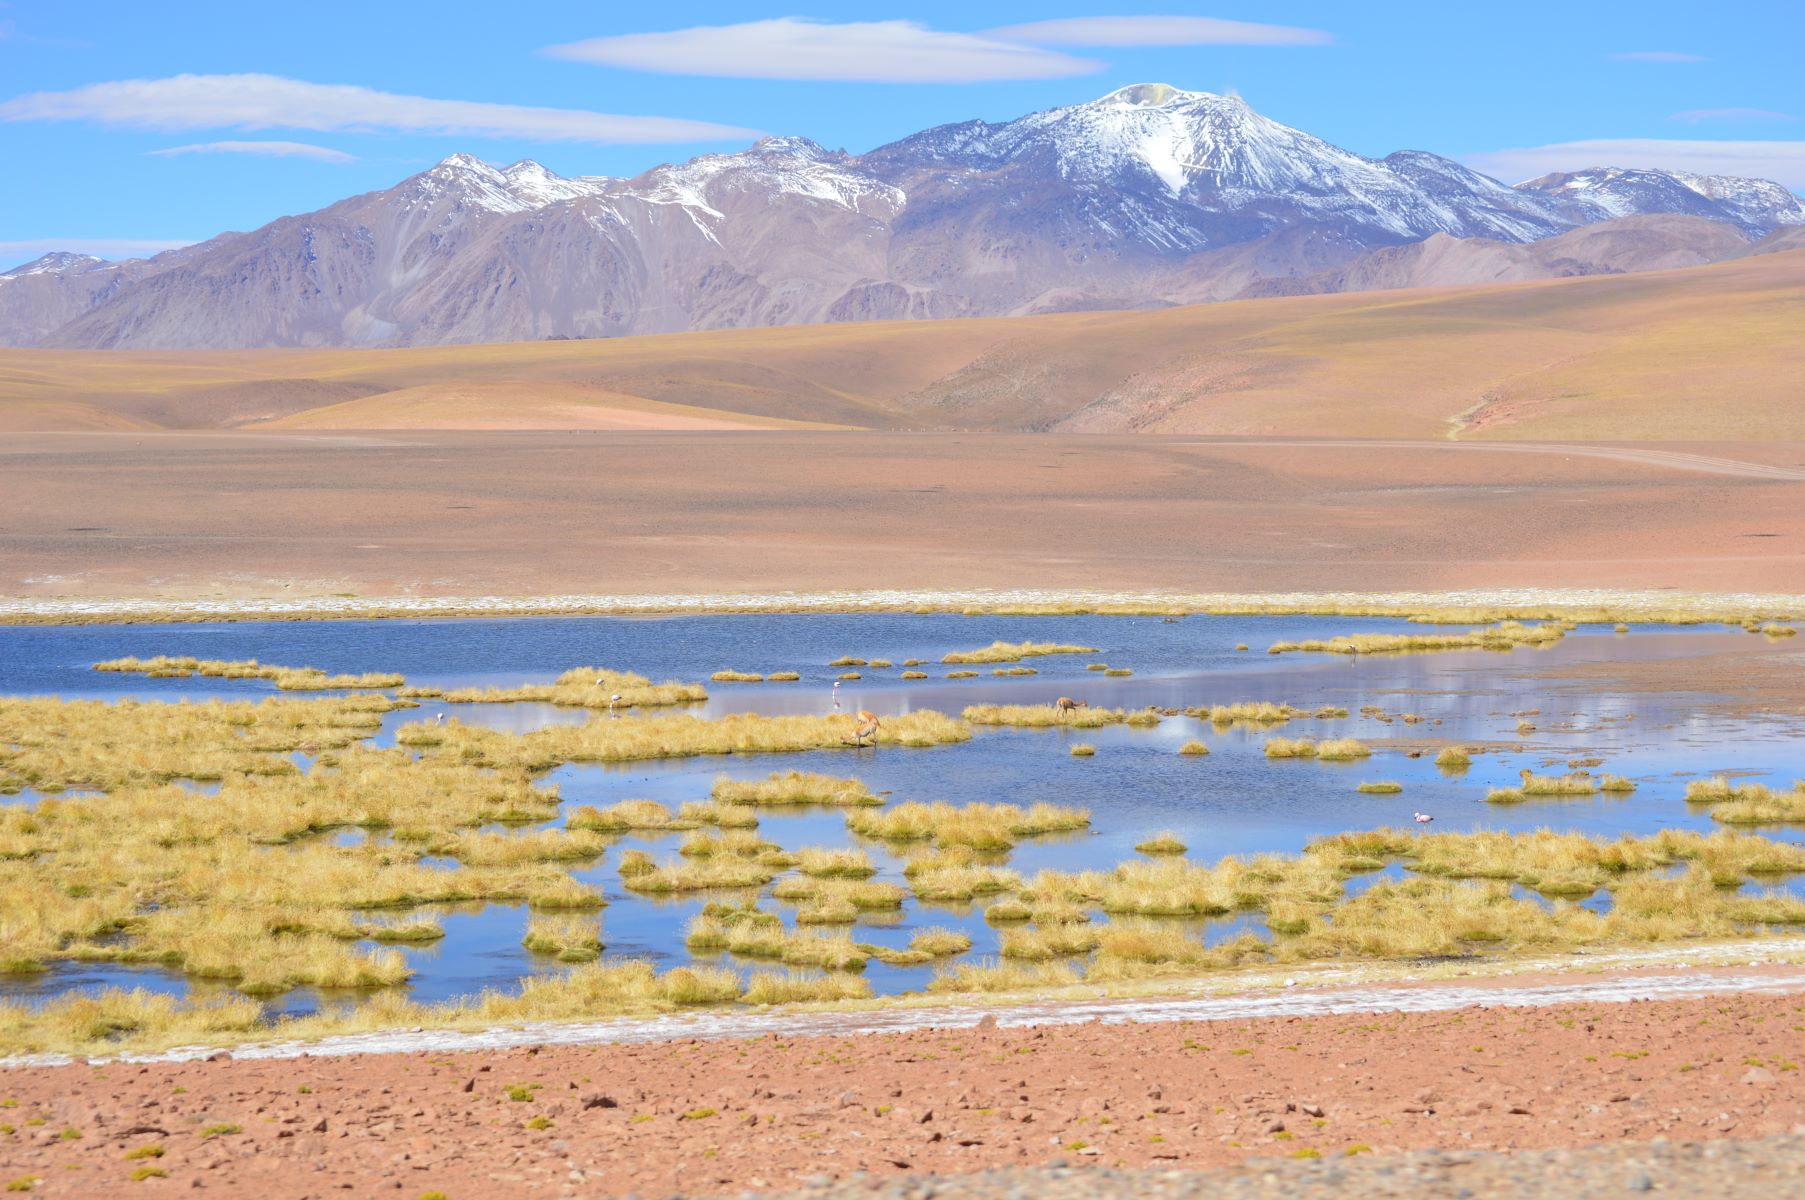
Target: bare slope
(1704, 353)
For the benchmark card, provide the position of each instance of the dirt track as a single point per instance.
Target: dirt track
(705, 1117)
(514, 514)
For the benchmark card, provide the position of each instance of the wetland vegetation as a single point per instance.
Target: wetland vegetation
(237, 851)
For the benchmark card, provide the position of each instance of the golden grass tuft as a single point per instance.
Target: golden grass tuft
(1165, 842)
(786, 788)
(568, 939)
(1083, 750)
(1507, 635)
(1041, 716)
(1290, 748)
(1380, 787)
(1454, 758)
(775, 987)
(732, 676)
(1194, 749)
(976, 826)
(940, 943)
(1005, 652)
(990, 976)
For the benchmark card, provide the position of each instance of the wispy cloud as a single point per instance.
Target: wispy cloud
(1159, 31)
(1658, 56)
(848, 52)
(1781, 161)
(16, 253)
(268, 149)
(1698, 116)
(273, 102)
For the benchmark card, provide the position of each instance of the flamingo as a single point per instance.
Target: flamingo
(836, 695)
(441, 718)
(1065, 704)
(866, 727)
(1423, 818)
(613, 701)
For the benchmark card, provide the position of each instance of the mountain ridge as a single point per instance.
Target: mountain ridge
(1147, 197)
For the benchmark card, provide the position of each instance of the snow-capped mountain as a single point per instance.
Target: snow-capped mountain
(1146, 196)
(1757, 205)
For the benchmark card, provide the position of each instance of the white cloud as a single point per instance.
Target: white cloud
(14, 254)
(1658, 56)
(273, 102)
(1159, 31)
(852, 52)
(1697, 116)
(1783, 162)
(268, 149)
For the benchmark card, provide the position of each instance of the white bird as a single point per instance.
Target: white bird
(1423, 818)
(613, 701)
(441, 718)
(836, 695)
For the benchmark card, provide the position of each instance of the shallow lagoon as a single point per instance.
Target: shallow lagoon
(1233, 801)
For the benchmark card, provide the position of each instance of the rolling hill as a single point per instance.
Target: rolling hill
(1702, 353)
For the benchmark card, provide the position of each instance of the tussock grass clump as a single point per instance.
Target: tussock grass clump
(1015, 671)
(1380, 787)
(773, 987)
(625, 816)
(1774, 630)
(882, 664)
(840, 864)
(737, 843)
(961, 674)
(785, 788)
(861, 894)
(1253, 712)
(976, 826)
(1119, 672)
(1041, 716)
(1083, 750)
(847, 660)
(1748, 803)
(589, 687)
(914, 674)
(1162, 843)
(568, 939)
(697, 875)
(1342, 750)
(1194, 749)
(732, 676)
(640, 738)
(1005, 912)
(992, 976)
(1043, 945)
(849, 675)
(1145, 943)
(1578, 783)
(1615, 784)
(288, 679)
(783, 677)
(1005, 652)
(957, 875)
(1506, 635)
(940, 943)
(1290, 748)
(1505, 796)
(1453, 758)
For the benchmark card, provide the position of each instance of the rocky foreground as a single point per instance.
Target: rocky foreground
(1068, 1110)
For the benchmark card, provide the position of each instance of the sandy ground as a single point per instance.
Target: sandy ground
(181, 515)
(707, 1117)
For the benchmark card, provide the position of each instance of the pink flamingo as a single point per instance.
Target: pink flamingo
(1423, 818)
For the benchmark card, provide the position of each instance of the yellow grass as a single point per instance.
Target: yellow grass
(1453, 758)
(1166, 842)
(1507, 635)
(288, 679)
(568, 939)
(1083, 750)
(731, 676)
(1006, 652)
(1380, 787)
(772, 987)
(1041, 716)
(786, 788)
(1194, 749)
(976, 826)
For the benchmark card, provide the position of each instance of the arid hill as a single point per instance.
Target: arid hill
(1709, 352)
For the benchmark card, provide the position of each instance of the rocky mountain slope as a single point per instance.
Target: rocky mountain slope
(1147, 197)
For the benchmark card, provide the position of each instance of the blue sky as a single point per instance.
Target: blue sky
(128, 127)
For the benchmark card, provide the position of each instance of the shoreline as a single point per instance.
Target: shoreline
(1769, 964)
(1588, 605)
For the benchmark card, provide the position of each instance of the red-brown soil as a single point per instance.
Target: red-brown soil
(728, 1116)
(183, 516)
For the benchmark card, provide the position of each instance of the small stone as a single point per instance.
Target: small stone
(1640, 1183)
